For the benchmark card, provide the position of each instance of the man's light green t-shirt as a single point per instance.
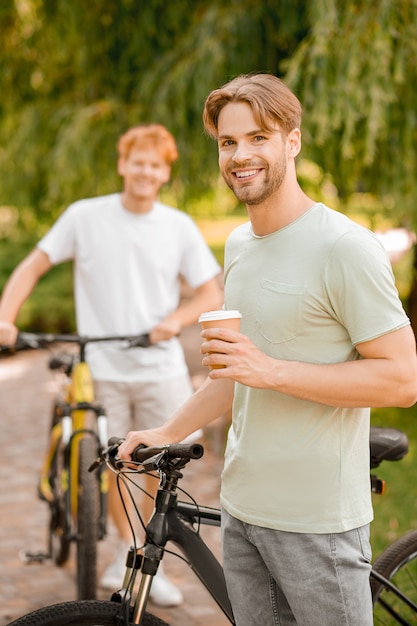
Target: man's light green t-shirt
(309, 292)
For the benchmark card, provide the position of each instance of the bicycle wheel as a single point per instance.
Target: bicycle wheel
(83, 613)
(398, 563)
(87, 521)
(59, 542)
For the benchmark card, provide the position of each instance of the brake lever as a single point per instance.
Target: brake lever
(154, 462)
(110, 453)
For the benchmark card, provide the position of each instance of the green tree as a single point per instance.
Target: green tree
(355, 73)
(73, 78)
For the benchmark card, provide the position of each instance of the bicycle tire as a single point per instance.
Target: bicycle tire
(398, 563)
(81, 613)
(87, 521)
(59, 543)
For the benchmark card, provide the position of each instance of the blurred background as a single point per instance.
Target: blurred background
(75, 75)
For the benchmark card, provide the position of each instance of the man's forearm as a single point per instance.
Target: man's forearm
(21, 283)
(14, 295)
(367, 383)
(205, 298)
(212, 400)
(386, 375)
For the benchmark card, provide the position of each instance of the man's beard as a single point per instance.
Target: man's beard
(252, 195)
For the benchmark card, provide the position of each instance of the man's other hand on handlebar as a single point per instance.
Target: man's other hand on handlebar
(165, 330)
(151, 437)
(8, 333)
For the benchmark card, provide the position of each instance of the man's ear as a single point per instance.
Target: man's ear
(121, 166)
(167, 173)
(294, 142)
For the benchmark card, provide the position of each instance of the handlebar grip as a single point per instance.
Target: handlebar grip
(186, 450)
(174, 450)
(24, 341)
(140, 341)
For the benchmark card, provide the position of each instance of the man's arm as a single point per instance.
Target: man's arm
(386, 375)
(206, 297)
(17, 289)
(211, 400)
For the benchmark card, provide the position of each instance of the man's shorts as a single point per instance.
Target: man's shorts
(143, 405)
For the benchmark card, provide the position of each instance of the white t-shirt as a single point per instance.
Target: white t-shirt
(127, 270)
(309, 292)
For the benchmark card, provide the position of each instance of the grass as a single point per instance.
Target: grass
(396, 510)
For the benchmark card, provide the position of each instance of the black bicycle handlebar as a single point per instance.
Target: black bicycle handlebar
(173, 451)
(40, 340)
(179, 451)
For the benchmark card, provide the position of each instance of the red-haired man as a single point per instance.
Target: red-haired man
(130, 254)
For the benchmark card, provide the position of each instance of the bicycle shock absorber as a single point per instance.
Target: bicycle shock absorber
(66, 429)
(102, 430)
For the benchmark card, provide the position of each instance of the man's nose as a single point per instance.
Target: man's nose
(146, 171)
(243, 152)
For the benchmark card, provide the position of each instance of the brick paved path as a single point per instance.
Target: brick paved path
(26, 392)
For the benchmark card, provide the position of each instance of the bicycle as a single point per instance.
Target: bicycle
(394, 572)
(77, 499)
(179, 522)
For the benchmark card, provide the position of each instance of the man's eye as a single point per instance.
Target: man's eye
(259, 138)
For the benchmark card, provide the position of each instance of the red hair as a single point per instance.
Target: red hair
(149, 136)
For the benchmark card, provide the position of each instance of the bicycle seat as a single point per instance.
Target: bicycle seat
(387, 444)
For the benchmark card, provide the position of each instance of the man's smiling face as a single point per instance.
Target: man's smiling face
(144, 171)
(253, 161)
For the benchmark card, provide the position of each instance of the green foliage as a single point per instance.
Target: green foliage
(221, 41)
(12, 250)
(50, 308)
(355, 73)
(73, 79)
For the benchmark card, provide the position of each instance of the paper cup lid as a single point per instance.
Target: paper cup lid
(218, 315)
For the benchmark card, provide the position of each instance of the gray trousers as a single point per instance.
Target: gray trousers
(277, 578)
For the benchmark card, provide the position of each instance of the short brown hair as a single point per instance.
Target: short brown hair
(270, 99)
(149, 135)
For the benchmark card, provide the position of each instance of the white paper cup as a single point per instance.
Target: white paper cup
(220, 319)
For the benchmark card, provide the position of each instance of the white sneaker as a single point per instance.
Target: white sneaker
(164, 592)
(114, 573)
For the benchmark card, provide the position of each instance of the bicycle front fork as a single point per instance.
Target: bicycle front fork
(148, 566)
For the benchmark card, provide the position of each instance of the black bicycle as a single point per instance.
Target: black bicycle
(393, 578)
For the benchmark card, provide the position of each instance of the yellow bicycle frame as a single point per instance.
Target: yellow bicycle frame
(78, 389)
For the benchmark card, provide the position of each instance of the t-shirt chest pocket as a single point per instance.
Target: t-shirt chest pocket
(278, 310)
